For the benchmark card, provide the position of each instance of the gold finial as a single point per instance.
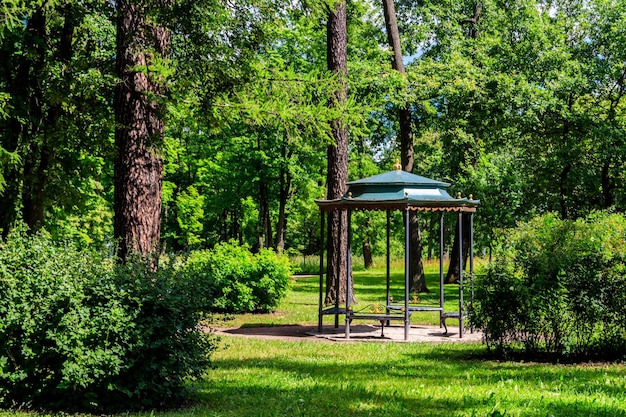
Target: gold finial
(458, 195)
(397, 165)
(471, 197)
(350, 195)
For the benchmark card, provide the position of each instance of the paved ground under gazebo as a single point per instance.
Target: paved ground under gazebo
(358, 333)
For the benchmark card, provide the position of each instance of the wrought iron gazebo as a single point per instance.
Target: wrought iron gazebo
(397, 190)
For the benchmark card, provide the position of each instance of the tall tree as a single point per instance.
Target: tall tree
(468, 154)
(142, 47)
(416, 268)
(57, 119)
(337, 154)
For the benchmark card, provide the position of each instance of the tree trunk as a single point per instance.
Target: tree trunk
(337, 173)
(36, 165)
(452, 275)
(367, 247)
(26, 102)
(416, 268)
(39, 157)
(265, 227)
(607, 185)
(367, 254)
(138, 133)
(283, 197)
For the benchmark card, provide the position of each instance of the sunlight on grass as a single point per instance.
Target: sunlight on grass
(275, 378)
(272, 378)
(301, 304)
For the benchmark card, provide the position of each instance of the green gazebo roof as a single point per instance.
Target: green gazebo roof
(396, 190)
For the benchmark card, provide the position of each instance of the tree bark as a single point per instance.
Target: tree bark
(452, 276)
(337, 153)
(138, 133)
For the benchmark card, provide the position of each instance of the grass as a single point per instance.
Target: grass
(301, 304)
(271, 378)
(274, 378)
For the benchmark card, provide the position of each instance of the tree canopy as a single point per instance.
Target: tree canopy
(519, 103)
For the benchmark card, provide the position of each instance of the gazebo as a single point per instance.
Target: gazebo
(406, 192)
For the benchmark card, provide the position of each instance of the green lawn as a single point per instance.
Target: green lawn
(301, 304)
(273, 378)
(254, 377)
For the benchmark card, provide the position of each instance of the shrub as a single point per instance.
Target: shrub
(233, 280)
(557, 288)
(78, 334)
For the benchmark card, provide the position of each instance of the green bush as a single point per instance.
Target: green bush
(558, 288)
(233, 280)
(79, 334)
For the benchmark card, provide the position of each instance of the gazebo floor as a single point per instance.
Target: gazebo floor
(395, 333)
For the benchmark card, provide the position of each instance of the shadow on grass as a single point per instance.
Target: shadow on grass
(417, 380)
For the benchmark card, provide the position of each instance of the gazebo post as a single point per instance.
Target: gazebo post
(388, 264)
(460, 274)
(348, 273)
(441, 289)
(321, 299)
(407, 249)
(471, 264)
(337, 271)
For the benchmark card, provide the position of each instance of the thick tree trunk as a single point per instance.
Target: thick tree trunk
(138, 133)
(337, 173)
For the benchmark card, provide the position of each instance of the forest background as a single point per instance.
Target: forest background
(519, 103)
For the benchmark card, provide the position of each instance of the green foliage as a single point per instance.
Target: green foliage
(557, 288)
(190, 214)
(169, 344)
(78, 333)
(233, 280)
